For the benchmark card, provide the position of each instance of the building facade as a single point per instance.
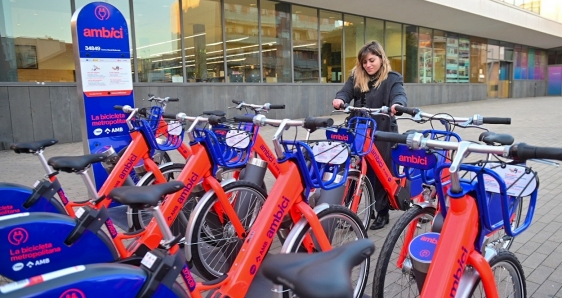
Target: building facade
(207, 52)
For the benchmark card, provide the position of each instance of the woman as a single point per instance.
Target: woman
(373, 84)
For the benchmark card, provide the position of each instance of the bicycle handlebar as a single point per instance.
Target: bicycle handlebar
(496, 120)
(406, 110)
(476, 120)
(264, 107)
(346, 108)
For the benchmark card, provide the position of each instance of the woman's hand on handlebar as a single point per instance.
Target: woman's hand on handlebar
(337, 103)
(393, 108)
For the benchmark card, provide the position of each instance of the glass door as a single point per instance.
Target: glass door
(505, 74)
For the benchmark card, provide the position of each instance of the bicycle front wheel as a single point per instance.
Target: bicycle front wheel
(365, 200)
(215, 244)
(392, 278)
(343, 226)
(508, 276)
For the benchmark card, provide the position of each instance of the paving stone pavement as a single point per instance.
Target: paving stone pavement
(534, 121)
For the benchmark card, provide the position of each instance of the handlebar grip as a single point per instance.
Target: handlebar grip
(173, 99)
(236, 101)
(215, 120)
(523, 151)
(496, 120)
(390, 137)
(343, 106)
(276, 107)
(118, 107)
(244, 118)
(409, 111)
(142, 112)
(314, 123)
(169, 115)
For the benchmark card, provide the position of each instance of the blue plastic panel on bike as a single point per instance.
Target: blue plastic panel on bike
(342, 134)
(13, 196)
(419, 159)
(154, 117)
(422, 247)
(33, 244)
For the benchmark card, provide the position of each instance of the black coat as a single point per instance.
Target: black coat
(390, 92)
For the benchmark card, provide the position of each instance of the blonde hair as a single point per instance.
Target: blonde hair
(361, 76)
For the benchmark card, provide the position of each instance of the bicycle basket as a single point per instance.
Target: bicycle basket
(500, 189)
(319, 160)
(363, 131)
(229, 146)
(154, 116)
(171, 140)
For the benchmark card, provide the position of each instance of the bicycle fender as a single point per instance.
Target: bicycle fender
(33, 244)
(196, 213)
(424, 205)
(13, 196)
(289, 242)
(150, 173)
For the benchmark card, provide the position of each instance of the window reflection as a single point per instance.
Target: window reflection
(394, 45)
(354, 27)
(305, 44)
(478, 69)
(242, 43)
(374, 31)
(35, 41)
(410, 58)
(425, 55)
(158, 41)
(331, 24)
(275, 40)
(204, 55)
(439, 54)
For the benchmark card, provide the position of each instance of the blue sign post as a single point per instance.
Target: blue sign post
(103, 73)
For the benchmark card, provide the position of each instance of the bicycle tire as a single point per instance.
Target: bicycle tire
(209, 233)
(364, 211)
(354, 224)
(517, 276)
(139, 218)
(390, 250)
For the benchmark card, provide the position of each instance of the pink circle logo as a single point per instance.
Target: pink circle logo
(102, 13)
(18, 236)
(425, 253)
(73, 293)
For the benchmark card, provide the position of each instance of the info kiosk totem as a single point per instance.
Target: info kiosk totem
(102, 56)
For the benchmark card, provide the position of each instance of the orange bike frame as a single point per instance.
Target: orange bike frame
(455, 250)
(284, 198)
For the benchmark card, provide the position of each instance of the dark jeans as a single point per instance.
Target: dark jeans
(382, 205)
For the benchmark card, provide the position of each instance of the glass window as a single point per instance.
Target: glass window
(331, 24)
(478, 60)
(242, 41)
(464, 59)
(202, 35)
(354, 36)
(493, 68)
(531, 64)
(35, 41)
(158, 42)
(425, 55)
(439, 56)
(276, 42)
(374, 31)
(410, 54)
(542, 66)
(305, 44)
(452, 62)
(393, 45)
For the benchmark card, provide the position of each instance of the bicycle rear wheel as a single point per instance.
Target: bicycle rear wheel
(393, 278)
(345, 226)
(214, 243)
(508, 275)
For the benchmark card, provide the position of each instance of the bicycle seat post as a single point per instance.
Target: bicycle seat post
(89, 184)
(162, 224)
(43, 161)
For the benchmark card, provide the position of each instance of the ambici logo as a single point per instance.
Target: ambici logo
(104, 33)
(339, 137)
(73, 293)
(413, 159)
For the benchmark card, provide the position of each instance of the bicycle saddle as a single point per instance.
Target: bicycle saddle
(32, 147)
(324, 274)
(491, 138)
(144, 195)
(72, 164)
(215, 112)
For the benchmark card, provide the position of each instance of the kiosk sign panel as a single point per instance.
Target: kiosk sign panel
(103, 71)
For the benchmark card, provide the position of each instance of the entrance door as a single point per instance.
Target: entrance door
(505, 75)
(555, 80)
